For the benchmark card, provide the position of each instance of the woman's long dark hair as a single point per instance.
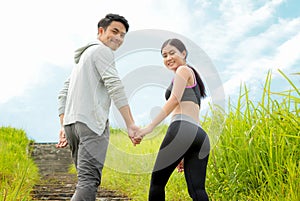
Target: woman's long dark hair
(181, 47)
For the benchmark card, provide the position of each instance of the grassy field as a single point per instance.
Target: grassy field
(255, 153)
(17, 170)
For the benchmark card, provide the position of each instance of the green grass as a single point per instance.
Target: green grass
(128, 168)
(18, 172)
(258, 154)
(255, 153)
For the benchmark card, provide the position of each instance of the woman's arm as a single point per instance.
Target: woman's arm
(182, 76)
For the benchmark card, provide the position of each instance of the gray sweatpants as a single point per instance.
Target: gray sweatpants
(88, 152)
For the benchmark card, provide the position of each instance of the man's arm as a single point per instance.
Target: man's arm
(62, 97)
(106, 67)
(62, 135)
(127, 116)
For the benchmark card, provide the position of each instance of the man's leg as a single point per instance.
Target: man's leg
(91, 156)
(73, 141)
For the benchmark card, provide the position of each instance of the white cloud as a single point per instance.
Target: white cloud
(275, 48)
(246, 39)
(288, 54)
(231, 23)
(36, 33)
(245, 36)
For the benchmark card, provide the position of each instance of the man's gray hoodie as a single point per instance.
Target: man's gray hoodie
(87, 93)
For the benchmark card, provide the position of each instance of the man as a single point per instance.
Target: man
(84, 104)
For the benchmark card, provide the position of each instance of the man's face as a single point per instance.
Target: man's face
(113, 36)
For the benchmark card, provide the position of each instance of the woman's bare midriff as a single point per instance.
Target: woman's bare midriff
(188, 108)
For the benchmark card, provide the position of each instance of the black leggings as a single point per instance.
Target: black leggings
(183, 140)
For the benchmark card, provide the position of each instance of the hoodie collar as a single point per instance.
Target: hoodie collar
(80, 51)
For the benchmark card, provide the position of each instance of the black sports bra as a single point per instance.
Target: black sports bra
(191, 93)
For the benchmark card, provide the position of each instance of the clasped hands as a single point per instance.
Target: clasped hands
(136, 134)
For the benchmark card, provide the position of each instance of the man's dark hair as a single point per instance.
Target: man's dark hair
(109, 18)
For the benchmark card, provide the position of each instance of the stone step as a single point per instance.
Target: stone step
(56, 182)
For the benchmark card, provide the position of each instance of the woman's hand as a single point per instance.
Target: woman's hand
(141, 133)
(132, 130)
(180, 166)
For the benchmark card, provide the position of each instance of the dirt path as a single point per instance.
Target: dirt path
(56, 183)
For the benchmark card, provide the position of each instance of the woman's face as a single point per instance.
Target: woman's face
(172, 57)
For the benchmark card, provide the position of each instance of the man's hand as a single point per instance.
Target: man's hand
(141, 133)
(62, 139)
(132, 130)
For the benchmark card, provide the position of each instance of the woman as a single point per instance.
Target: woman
(184, 140)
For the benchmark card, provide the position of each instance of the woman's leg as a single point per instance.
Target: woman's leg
(179, 138)
(159, 180)
(165, 164)
(195, 165)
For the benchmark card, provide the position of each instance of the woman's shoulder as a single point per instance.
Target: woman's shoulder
(184, 71)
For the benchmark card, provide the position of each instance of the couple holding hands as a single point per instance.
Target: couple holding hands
(84, 103)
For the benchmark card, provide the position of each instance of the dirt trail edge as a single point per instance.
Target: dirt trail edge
(56, 183)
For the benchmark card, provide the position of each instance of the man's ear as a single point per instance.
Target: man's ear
(100, 30)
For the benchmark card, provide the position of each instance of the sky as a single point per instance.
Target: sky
(243, 40)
